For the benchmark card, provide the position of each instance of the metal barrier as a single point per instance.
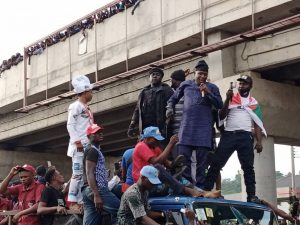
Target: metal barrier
(11, 213)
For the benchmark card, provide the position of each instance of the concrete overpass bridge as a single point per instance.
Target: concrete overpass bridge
(116, 53)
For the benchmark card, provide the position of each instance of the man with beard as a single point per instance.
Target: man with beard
(151, 107)
(195, 131)
(241, 112)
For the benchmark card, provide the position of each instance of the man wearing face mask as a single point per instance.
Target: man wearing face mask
(195, 131)
(241, 113)
(151, 106)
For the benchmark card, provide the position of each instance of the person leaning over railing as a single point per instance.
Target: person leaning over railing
(28, 192)
(52, 201)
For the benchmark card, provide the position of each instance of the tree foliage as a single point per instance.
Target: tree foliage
(232, 186)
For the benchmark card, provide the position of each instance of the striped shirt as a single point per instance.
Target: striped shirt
(178, 111)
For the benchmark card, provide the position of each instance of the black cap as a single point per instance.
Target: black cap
(156, 70)
(202, 66)
(178, 75)
(245, 78)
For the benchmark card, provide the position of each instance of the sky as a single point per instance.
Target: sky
(282, 162)
(24, 22)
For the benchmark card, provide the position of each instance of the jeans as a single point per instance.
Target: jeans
(111, 205)
(117, 190)
(242, 142)
(76, 182)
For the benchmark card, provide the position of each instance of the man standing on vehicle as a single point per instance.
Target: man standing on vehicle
(195, 132)
(79, 118)
(177, 77)
(241, 112)
(151, 106)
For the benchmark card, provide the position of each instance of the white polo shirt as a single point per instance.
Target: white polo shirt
(238, 118)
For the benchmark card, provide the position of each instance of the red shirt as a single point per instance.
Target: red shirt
(5, 205)
(27, 197)
(141, 156)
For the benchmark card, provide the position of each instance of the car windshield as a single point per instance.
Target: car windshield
(225, 214)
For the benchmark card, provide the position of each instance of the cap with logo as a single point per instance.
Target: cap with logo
(152, 132)
(246, 79)
(93, 129)
(151, 173)
(81, 84)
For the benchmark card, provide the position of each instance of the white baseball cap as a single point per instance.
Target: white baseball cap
(81, 84)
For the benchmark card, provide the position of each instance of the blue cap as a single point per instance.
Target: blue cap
(152, 132)
(151, 173)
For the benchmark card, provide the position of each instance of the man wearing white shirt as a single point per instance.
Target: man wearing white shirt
(241, 113)
(80, 118)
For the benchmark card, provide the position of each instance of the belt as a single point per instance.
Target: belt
(237, 131)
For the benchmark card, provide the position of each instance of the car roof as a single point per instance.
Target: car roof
(183, 200)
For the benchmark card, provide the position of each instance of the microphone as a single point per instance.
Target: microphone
(202, 92)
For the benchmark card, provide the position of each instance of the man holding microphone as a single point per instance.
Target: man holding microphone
(195, 131)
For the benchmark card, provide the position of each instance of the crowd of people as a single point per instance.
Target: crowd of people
(12, 61)
(62, 35)
(175, 154)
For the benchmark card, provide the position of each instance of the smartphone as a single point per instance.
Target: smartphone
(232, 85)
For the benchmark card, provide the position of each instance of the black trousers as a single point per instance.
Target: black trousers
(242, 142)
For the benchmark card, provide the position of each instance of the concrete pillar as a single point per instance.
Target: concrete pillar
(264, 165)
(223, 61)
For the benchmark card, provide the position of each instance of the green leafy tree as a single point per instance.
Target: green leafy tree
(230, 186)
(279, 175)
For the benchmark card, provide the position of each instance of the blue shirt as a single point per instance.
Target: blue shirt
(197, 122)
(127, 165)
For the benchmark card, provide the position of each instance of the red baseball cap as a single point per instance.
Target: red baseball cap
(28, 168)
(93, 129)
